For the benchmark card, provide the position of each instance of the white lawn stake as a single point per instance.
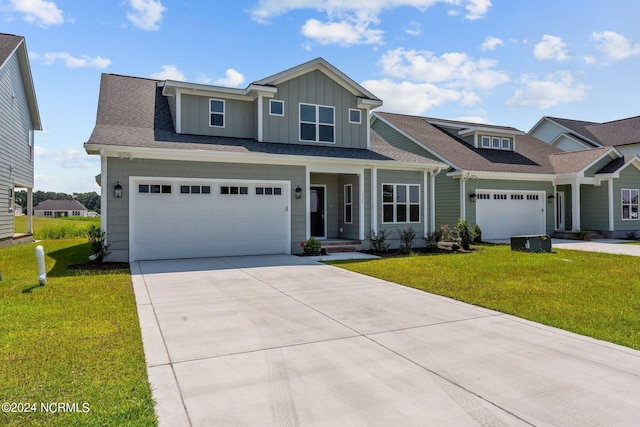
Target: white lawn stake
(42, 274)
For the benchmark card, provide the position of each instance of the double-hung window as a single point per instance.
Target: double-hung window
(216, 113)
(630, 204)
(317, 123)
(400, 203)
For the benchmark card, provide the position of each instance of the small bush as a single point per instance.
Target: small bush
(312, 246)
(98, 241)
(445, 234)
(431, 241)
(406, 240)
(463, 230)
(477, 234)
(632, 235)
(379, 240)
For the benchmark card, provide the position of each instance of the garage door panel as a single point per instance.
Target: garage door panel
(199, 225)
(501, 214)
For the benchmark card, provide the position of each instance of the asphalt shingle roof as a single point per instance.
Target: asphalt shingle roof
(8, 43)
(610, 134)
(132, 112)
(59, 205)
(531, 155)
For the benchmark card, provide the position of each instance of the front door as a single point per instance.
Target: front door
(317, 212)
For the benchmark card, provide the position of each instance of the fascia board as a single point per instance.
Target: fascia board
(571, 137)
(596, 143)
(492, 131)
(25, 71)
(615, 154)
(635, 161)
(503, 176)
(414, 140)
(231, 157)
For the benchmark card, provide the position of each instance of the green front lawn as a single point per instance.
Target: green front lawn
(75, 341)
(589, 293)
(56, 228)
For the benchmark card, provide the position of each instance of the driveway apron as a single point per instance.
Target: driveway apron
(281, 340)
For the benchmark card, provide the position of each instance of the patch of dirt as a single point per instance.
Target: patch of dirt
(102, 266)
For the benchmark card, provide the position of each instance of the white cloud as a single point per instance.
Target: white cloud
(472, 119)
(71, 61)
(557, 88)
(233, 79)
(454, 68)
(169, 72)
(615, 46)
(490, 43)
(343, 33)
(146, 14)
(413, 29)
(350, 21)
(39, 12)
(68, 157)
(588, 59)
(411, 98)
(551, 47)
(476, 9)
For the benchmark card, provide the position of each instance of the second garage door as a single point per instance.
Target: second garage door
(502, 214)
(188, 219)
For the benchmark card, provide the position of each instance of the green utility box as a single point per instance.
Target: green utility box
(534, 243)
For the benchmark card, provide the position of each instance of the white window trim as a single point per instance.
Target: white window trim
(630, 204)
(224, 113)
(489, 139)
(348, 203)
(502, 140)
(359, 122)
(408, 203)
(317, 123)
(273, 101)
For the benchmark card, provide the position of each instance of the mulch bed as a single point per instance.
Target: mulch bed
(441, 250)
(100, 266)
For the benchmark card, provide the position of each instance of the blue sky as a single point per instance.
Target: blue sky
(506, 62)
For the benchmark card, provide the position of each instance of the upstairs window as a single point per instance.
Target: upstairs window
(317, 123)
(495, 142)
(276, 107)
(216, 113)
(355, 116)
(630, 204)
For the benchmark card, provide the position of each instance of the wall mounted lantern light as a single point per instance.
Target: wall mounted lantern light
(550, 198)
(117, 190)
(298, 192)
(472, 196)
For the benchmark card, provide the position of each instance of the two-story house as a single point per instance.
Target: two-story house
(193, 170)
(605, 196)
(20, 118)
(511, 183)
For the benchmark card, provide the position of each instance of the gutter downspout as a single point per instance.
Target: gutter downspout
(463, 193)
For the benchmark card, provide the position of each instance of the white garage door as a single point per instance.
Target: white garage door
(189, 219)
(502, 214)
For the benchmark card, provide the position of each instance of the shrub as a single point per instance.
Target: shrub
(445, 234)
(632, 235)
(431, 241)
(312, 246)
(477, 234)
(463, 230)
(98, 241)
(379, 240)
(406, 240)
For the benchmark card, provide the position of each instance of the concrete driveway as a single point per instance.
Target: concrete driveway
(281, 340)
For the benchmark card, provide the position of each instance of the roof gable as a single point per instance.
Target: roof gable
(9, 45)
(325, 67)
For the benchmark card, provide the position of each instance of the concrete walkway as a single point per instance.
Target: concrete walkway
(608, 246)
(282, 340)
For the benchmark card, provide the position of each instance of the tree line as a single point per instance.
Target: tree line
(89, 200)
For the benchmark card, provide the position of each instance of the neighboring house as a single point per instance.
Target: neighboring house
(60, 208)
(193, 170)
(606, 193)
(17, 210)
(511, 183)
(19, 119)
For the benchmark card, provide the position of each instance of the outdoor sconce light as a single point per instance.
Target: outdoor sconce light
(550, 198)
(298, 192)
(117, 190)
(472, 196)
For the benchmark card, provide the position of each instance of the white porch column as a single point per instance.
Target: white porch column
(374, 200)
(104, 188)
(361, 206)
(611, 218)
(575, 206)
(432, 203)
(463, 194)
(425, 203)
(30, 210)
(307, 204)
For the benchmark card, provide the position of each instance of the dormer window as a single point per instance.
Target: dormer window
(495, 142)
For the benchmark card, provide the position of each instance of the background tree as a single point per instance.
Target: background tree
(89, 200)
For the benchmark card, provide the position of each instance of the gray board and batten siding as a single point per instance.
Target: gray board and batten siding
(16, 132)
(122, 169)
